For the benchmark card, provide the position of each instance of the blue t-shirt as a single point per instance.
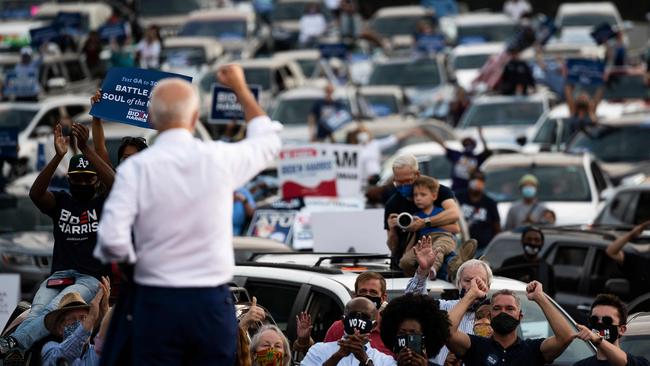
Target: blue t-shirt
(330, 116)
(429, 230)
(462, 165)
(239, 212)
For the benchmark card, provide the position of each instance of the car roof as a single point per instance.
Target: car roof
(258, 244)
(478, 49)
(299, 54)
(470, 19)
(587, 7)
(191, 41)
(380, 90)
(221, 14)
(428, 148)
(638, 324)
(264, 62)
(524, 160)
(496, 99)
(397, 11)
(596, 236)
(310, 92)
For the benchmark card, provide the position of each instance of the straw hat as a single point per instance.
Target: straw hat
(70, 301)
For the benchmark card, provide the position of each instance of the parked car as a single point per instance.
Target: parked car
(285, 20)
(384, 100)
(307, 60)
(14, 34)
(582, 268)
(478, 27)
(627, 206)
(247, 247)
(93, 15)
(465, 61)
(190, 56)
(583, 17)
(637, 336)
(570, 185)
(397, 24)
(286, 290)
(169, 15)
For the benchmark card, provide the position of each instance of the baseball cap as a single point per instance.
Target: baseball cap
(80, 164)
(528, 178)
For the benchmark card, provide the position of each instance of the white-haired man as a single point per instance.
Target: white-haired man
(176, 199)
(466, 273)
(405, 172)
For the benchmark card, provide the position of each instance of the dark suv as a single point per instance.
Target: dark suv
(582, 268)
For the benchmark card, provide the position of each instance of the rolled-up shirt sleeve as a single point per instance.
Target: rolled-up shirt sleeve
(417, 285)
(256, 152)
(114, 235)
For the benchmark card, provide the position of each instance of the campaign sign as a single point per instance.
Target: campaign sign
(336, 119)
(584, 71)
(69, 23)
(50, 33)
(225, 106)
(125, 95)
(602, 33)
(349, 180)
(111, 31)
(8, 142)
(430, 43)
(306, 171)
(24, 84)
(333, 50)
(272, 224)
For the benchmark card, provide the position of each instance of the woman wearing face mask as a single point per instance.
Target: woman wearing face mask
(416, 328)
(269, 347)
(528, 210)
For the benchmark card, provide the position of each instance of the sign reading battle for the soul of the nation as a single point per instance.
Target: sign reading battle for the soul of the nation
(125, 95)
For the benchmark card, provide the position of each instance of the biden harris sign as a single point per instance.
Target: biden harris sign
(125, 95)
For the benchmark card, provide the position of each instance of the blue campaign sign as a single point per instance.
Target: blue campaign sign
(70, 23)
(225, 106)
(46, 34)
(333, 50)
(602, 33)
(125, 95)
(23, 84)
(430, 43)
(111, 31)
(8, 142)
(585, 71)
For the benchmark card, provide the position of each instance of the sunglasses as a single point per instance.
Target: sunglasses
(606, 320)
(130, 139)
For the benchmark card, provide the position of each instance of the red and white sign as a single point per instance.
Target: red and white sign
(306, 171)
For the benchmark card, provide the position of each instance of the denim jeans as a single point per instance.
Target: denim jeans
(47, 299)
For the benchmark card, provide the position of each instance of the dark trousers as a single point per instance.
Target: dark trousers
(184, 326)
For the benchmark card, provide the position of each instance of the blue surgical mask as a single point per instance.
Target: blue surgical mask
(70, 328)
(406, 190)
(529, 191)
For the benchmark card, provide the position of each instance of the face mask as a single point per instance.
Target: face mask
(474, 185)
(375, 300)
(529, 191)
(357, 321)
(70, 328)
(269, 357)
(531, 250)
(476, 304)
(406, 190)
(469, 148)
(82, 192)
(483, 330)
(363, 137)
(608, 332)
(504, 324)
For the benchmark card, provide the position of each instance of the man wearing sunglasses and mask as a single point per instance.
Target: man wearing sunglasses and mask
(505, 347)
(353, 348)
(606, 326)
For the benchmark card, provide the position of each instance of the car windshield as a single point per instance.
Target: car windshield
(215, 28)
(307, 66)
(393, 26)
(422, 73)
(487, 32)
(615, 144)
(258, 76)
(20, 214)
(184, 56)
(148, 8)
(296, 111)
(620, 87)
(16, 118)
(587, 20)
(436, 166)
(636, 345)
(382, 104)
(465, 62)
(556, 183)
(502, 114)
(287, 11)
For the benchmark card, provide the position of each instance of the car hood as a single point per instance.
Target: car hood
(566, 213)
(465, 77)
(498, 134)
(33, 242)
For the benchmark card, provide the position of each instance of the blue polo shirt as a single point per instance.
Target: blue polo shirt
(487, 352)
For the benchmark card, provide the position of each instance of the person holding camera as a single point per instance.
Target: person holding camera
(75, 216)
(441, 239)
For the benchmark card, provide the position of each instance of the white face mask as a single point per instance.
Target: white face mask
(363, 137)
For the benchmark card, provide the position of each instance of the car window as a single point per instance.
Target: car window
(502, 114)
(234, 29)
(382, 104)
(636, 345)
(307, 66)
(615, 145)
(324, 311)
(257, 76)
(465, 62)
(276, 297)
(603, 269)
(20, 214)
(599, 178)
(391, 26)
(587, 20)
(642, 212)
(51, 118)
(76, 70)
(16, 118)
(423, 73)
(436, 166)
(619, 206)
(568, 263)
(501, 249)
(547, 132)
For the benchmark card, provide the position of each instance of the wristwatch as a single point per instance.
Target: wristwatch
(427, 223)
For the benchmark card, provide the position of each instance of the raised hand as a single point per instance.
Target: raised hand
(81, 134)
(60, 142)
(231, 76)
(586, 334)
(534, 291)
(303, 328)
(425, 255)
(478, 289)
(97, 97)
(639, 229)
(93, 313)
(254, 315)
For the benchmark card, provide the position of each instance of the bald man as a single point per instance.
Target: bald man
(175, 199)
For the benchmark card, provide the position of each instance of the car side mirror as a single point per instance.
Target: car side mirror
(521, 140)
(618, 286)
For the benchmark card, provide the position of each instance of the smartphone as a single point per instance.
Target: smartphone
(414, 342)
(66, 130)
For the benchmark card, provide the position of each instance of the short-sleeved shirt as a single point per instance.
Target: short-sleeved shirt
(324, 111)
(75, 234)
(516, 72)
(481, 217)
(631, 361)
(462, 165)
(521, 213)
(487, 352)
(398, 204)
(429, 230)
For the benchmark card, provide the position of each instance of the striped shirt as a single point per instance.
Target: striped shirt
(418, 285)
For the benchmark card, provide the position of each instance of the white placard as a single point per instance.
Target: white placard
(343, 231)
(9, 295)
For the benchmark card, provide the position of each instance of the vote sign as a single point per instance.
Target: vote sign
(225, 105)
(585, 71)
(125, 95)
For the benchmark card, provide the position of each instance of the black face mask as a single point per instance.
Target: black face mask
(357, 321)
(375, 300)
(608, 332)
(82, 192)
(504, 324)
(476, 304)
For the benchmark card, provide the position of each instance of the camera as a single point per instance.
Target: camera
(404, 220)
(414, 342)
(66, 130)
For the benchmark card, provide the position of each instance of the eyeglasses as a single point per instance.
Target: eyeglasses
(606, 320)
(131, 139)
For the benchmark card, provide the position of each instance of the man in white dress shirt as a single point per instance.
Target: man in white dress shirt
(175, 199)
